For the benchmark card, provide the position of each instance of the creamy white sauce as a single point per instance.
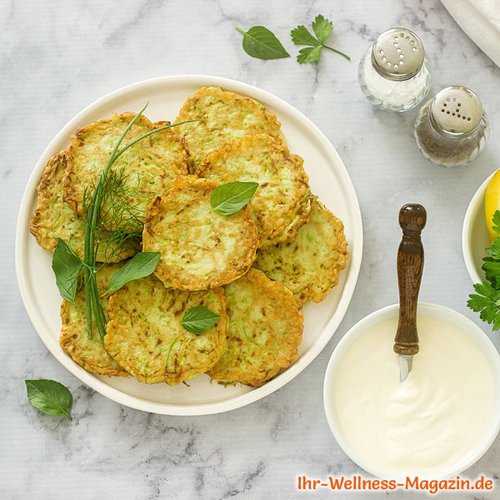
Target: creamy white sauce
(432, 419)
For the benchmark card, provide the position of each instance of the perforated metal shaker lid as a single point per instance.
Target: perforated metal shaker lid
(398, 54)
(456, 111)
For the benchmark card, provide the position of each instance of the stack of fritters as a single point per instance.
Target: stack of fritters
(161, 190)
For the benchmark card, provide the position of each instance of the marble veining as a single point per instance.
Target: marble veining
(57, 57)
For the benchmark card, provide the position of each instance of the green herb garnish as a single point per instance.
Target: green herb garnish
(50, 397)
(93, 307)
(117, 209)
(231, 197)
(491, 266)
(140, 266)
(486, 300)
(66, 266)
(262, 43)
(322, 28)
(199, 319)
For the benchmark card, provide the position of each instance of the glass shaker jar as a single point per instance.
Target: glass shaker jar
(394, 72)
(451, 129)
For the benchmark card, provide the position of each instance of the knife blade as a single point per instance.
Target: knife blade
(405, 366)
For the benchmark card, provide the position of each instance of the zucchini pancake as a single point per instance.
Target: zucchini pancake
(310, 264)
(199, 248)
(143, 172)
(264, 332)
(221, 239)
(54, 219)
(88, 353)
(281, 203)
(146, 337)
(222, 116)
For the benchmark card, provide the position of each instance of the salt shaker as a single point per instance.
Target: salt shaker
(451, 129)
(394, 72)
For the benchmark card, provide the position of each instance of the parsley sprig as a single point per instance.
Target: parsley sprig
(322, 28)
(486, 300)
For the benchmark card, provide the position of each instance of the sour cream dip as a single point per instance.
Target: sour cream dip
(433, 421)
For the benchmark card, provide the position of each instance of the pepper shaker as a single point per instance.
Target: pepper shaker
(394, 73)
(451, 129)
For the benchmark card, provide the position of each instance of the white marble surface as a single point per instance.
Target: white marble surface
(57, 57)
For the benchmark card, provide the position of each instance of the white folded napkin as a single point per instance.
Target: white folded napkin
(480, 19)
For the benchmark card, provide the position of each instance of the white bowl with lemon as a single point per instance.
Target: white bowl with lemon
(477, 232)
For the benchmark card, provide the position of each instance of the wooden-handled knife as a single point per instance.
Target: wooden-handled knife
(412, 219)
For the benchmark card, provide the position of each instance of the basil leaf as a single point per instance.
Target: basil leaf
(262, 43)
(140, 266)
(50, 397)
(322, 28)
(229, 198)
(199, 319)
(302, 36)
(66, 266)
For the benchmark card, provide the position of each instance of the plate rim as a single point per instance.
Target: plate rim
(356, 252)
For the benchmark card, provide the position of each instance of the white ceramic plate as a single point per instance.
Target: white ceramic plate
(328, 178)
(475, 237)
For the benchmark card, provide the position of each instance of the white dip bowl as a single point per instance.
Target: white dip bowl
(448, 317)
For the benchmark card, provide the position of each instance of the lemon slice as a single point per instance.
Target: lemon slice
(492, 202)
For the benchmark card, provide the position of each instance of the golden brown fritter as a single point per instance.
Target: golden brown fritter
(264, 331)
(281, 203)
(146, 337)
(222, 116)
(310, 264)
(143, 172)
(88, 353)
(199, 248)
(53, 219)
